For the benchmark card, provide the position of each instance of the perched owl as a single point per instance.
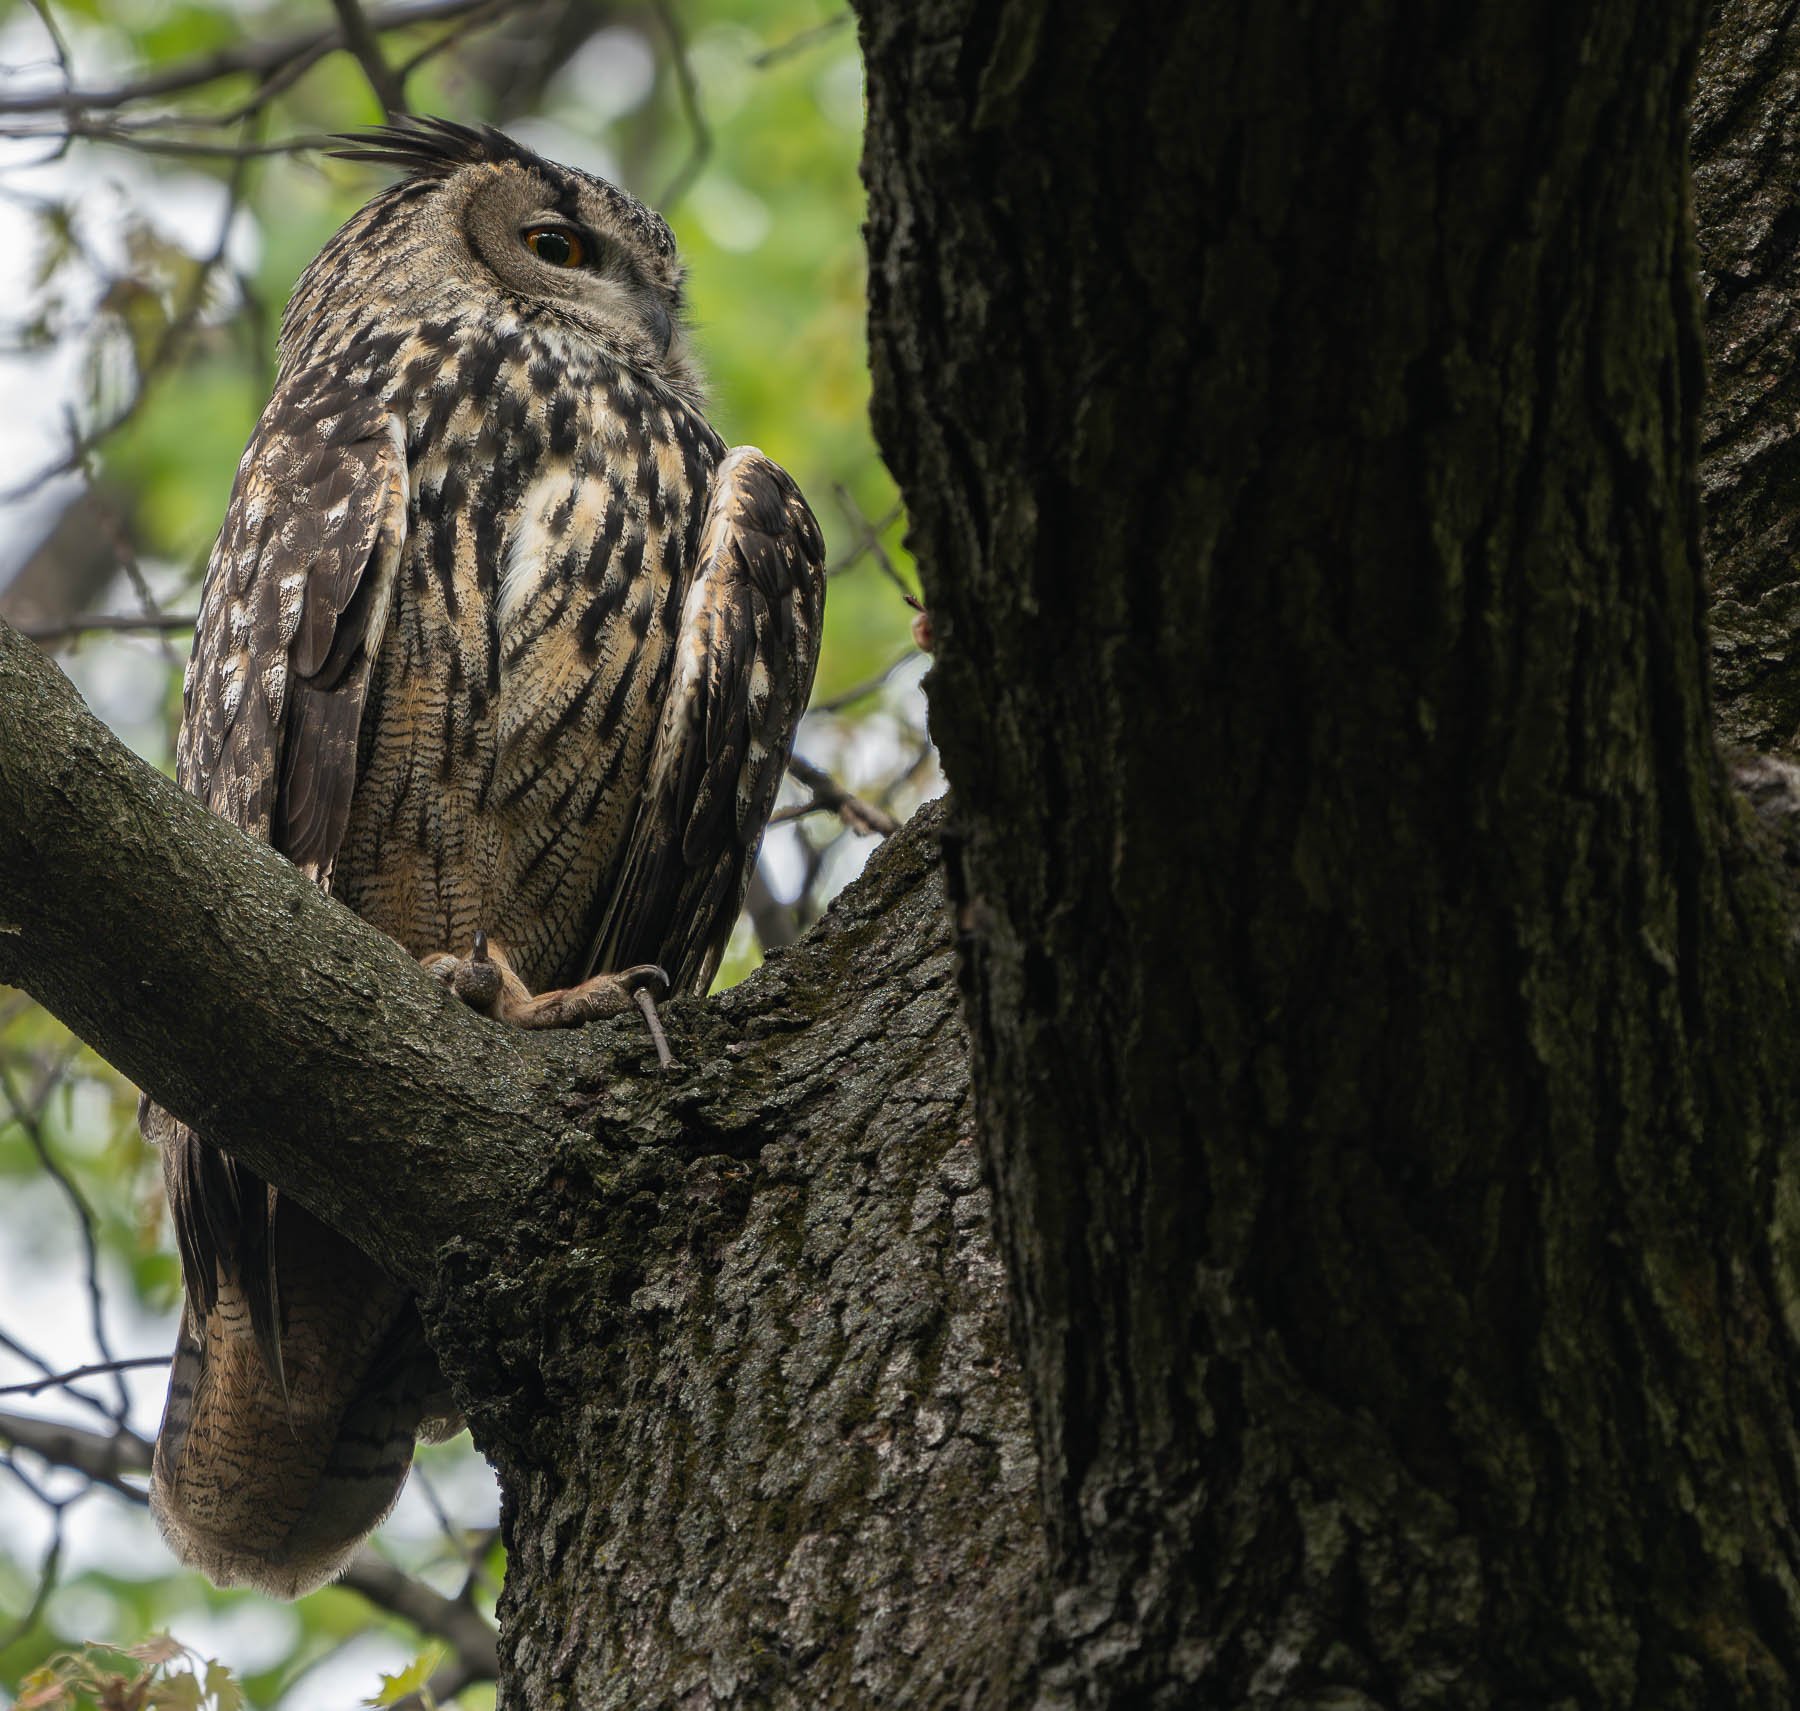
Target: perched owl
(498, 640)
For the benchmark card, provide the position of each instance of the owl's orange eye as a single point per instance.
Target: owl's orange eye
(556, 245)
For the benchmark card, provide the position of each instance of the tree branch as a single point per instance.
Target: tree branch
(257, 57)
(104, 1457)
(216, 976)
(361, 40)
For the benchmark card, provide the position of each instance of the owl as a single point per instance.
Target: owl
(505, 648)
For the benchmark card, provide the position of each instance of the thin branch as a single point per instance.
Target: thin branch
(58, 42)
(862, 691)
(470, 1550)
(869, 535)
(103, 1457)
(922, 758)
(868, 531)
(775, 923)
(65, 1380)
(253, 58)
(181, 148)
(361, 40)
(689, 90)
(46, 1579)
(29, 1117)
(799, 42)
(476, 18)
(167, 343)
(52, 1377)
(109, 623)
(455, 1621)
(831, 797)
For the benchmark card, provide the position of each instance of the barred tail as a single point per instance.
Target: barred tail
(273, 1478)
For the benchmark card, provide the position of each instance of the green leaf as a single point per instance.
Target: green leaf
(222, 1687)
(410, 1680)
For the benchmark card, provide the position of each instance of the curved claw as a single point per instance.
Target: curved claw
(642, 977)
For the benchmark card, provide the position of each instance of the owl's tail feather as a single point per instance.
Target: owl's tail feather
(273, 1480)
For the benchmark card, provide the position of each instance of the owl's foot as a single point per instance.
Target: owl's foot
(486, 981)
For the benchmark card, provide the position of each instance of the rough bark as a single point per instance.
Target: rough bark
(753, 1407)
(732, 1335)
(1377, 1017)
(1746, 108)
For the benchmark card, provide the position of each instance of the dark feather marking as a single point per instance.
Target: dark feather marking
(562, 425)
(481, 368)
(688, 858)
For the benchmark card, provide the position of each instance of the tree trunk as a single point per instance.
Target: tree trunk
(1380, 999)
(1378, 1020)
(745, 1376)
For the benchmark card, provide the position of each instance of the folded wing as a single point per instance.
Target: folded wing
(286, 1431)
(744, 661)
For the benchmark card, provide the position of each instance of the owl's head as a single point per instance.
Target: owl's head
(481, 223)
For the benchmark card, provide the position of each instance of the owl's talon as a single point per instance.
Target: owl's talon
(483, 981)
(487, 982)
(478, 983)
(641, 977)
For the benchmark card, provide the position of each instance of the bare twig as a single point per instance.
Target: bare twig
(868, 531)
(472, 1547)
(47, 1569)
(252, 58)
(862, 691)
(479, 15)
(28, 1115)
(181, 148)
(455, 1621)
(65, 1380)
(167, 343)
(664, 1057)
(361, 40)
(105, 1457)
(701, 146)
(828, 796)
(58, 43)
(800, 41)
(110, 623)
(869, 535)
(776, 924)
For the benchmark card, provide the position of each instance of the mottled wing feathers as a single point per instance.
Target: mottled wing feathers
(744, 659)
(295, 601)
(291, 616)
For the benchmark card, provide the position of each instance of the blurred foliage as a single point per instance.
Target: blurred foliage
(741, 119)
(159, 1674)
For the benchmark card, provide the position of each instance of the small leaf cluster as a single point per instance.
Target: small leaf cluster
(160, 1674)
